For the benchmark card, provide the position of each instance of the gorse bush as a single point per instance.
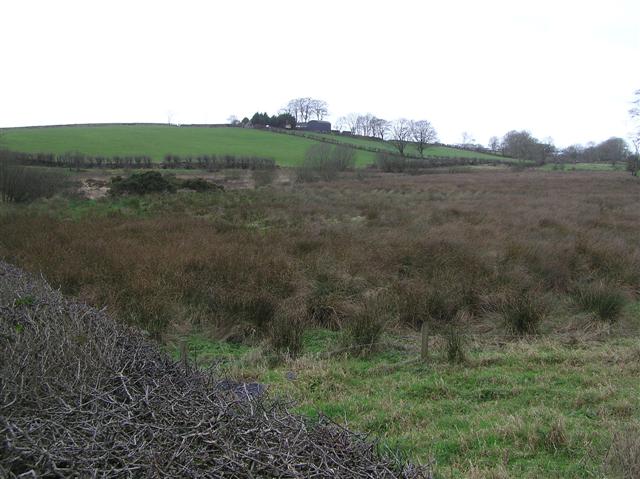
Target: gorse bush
(155, 182)
(604, 299)
(324, 161)
(198, 184)
(142, 183)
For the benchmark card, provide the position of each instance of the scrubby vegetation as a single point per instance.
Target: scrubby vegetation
(434, 246)
(509, 270)
(325, 162)
(21, 184)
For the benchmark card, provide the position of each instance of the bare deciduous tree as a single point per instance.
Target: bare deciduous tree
(494, 143)
(635, 115)
(319, 108)
(400, 134)
(467, 138)
(349, 122)
(305, 108)
(422, 133)
(634, 160)
(380, 127)
(365, 124)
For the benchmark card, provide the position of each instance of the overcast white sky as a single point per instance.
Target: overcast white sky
(560, 69)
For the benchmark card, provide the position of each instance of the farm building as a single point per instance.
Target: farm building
(319, 126)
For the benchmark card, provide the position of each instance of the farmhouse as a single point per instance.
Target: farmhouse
(318, 126)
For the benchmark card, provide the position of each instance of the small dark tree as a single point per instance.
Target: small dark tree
(260, 119)
(283, 120)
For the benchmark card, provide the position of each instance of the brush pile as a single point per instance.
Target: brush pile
(84, 396)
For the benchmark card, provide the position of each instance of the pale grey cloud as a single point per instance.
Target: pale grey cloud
(560, 69)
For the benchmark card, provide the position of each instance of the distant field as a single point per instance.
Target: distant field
(158, 140)
(411, 149)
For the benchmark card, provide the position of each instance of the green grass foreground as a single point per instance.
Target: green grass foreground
(547, 407)
(156, 141)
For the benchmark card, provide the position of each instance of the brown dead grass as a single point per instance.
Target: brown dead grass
(434, 244)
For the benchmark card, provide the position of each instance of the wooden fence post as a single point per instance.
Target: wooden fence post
(424, 345)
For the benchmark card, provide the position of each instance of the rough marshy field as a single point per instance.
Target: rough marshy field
(528, 283)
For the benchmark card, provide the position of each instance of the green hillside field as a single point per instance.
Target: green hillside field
(359, 142)
(156, 141)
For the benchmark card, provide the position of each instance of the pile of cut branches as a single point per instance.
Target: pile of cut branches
(83, 396)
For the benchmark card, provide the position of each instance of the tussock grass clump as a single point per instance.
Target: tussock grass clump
(455, 339)
(623, 458)
(603, 299)
(365, 324)
(523, 311)
(287, 328)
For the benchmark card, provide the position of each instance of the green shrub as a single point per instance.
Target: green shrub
(142, 183)
(603, 299)
(523, 312)
(390, 163)
(323, 162)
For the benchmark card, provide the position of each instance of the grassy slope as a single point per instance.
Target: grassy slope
(158, 140)
(411, 149)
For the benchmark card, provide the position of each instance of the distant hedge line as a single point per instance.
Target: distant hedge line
(390, 163)
(75, 160)
(329, 138)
